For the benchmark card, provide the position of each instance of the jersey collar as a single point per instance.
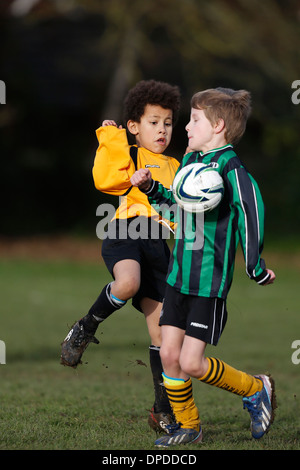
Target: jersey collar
(216, 150)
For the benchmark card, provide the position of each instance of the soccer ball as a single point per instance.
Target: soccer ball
(198, 187)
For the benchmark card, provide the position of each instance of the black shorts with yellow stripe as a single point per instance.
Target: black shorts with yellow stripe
(151, 253)
(203, 318)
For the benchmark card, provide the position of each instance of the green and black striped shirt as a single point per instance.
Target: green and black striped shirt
(202, 262)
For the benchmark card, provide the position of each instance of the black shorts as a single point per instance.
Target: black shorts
(203, 318)
(152, 255)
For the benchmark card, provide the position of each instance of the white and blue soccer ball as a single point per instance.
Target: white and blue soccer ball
(198, 187)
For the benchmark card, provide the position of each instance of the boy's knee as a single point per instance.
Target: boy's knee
(192, 367)
(127, 287)
(169, 356)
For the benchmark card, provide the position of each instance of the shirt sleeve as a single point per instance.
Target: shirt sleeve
(162, 200)
(113, 166)
(247, 203)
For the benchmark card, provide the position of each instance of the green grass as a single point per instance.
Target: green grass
(102, 405)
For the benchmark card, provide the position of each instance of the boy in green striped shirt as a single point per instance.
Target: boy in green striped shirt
(201, 268)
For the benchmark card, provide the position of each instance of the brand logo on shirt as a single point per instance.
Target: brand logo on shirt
(152, 166)
(213, 164)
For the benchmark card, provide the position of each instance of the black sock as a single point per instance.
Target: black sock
(104, 306)
(162, 403)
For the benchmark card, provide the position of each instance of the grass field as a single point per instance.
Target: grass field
(104, 403)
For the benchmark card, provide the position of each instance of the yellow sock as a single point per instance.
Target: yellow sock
(221, 375)
(180, 394)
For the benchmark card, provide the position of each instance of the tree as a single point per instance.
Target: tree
(67, 65)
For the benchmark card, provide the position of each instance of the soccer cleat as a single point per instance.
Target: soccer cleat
(261, 407)
(178, 435)
(74, 345)
(160, 421)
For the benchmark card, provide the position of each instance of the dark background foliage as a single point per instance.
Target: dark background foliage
(68, 65)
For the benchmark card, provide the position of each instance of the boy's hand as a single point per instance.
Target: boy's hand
(272, 277)
(110, 122)
(142, 179)
(187, 150)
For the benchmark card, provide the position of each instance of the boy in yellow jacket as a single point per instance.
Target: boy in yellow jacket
(138, 265)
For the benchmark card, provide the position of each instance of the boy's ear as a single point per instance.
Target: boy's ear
(132, 127)
(219, 126)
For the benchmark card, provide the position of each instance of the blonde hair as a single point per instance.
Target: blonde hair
(233, 106)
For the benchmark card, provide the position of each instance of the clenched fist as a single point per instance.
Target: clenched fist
(142, 179)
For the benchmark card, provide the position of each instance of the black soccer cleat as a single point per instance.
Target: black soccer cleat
(74, 345)
(159, 421)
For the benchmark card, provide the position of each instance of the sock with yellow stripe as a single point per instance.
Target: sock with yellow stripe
(221, 375)
(180, 394)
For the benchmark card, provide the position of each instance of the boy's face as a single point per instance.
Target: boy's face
(154, 131)
(201, 133)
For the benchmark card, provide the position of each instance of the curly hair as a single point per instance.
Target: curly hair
(154, 93)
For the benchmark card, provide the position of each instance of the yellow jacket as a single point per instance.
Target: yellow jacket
(113, 168)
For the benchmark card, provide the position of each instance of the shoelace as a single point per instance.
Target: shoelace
(252, 405)
(172, 428)
(81, 336)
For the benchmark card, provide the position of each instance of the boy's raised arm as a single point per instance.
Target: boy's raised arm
(113, 165)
